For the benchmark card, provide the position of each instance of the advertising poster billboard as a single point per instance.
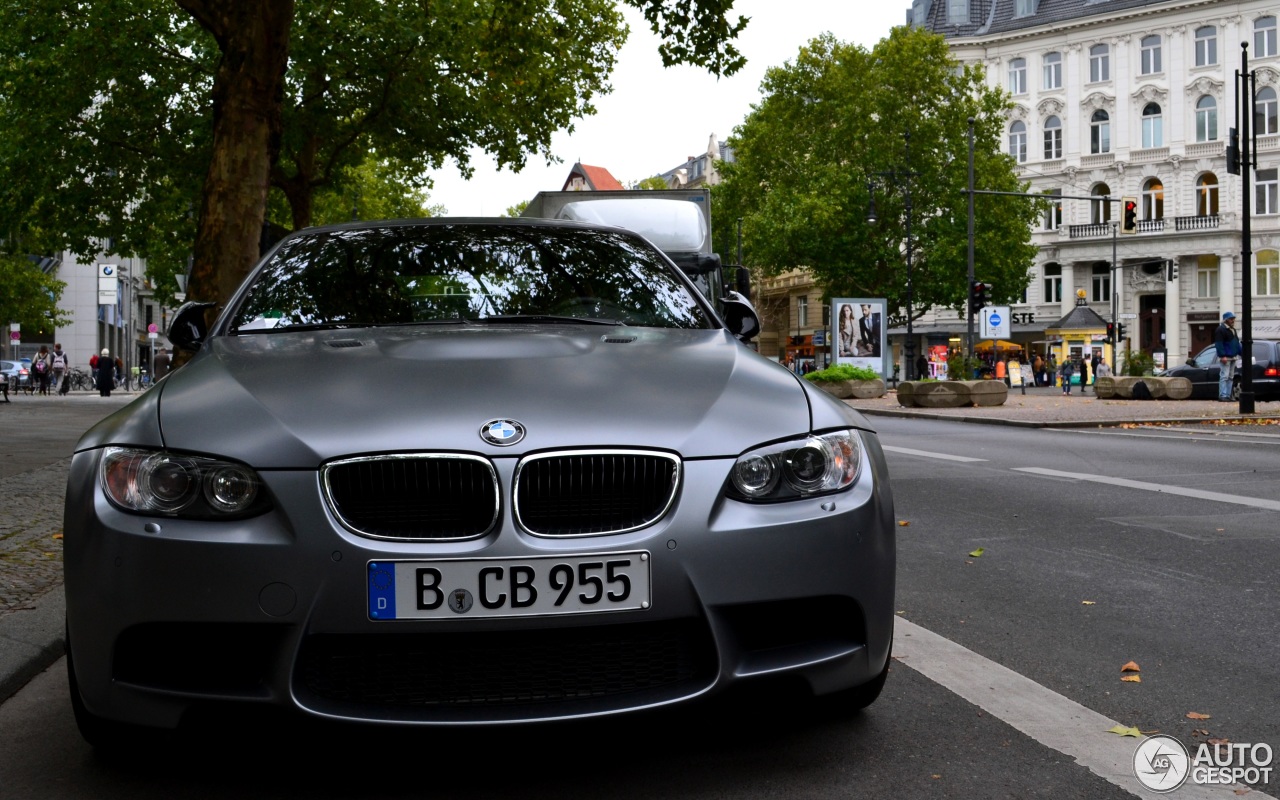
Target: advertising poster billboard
(859, 333)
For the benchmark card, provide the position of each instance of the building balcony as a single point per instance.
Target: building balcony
(1150, 154)
(1150, 225)
(1204, 149)
(1196, 223)
(1099, 160)
(1089, 231)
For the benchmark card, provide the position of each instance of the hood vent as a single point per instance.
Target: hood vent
(346, 343)
(617, 339)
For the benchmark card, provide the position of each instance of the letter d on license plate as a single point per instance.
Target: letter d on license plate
(508, 587)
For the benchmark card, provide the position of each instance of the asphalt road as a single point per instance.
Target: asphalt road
(1100, 547)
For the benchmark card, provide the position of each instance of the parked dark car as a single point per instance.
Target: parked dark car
(1203, 373)
(472, 471)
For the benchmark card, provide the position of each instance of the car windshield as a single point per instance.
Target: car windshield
(466, 272)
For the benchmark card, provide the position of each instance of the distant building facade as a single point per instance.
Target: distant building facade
(1131, 98)
(700, 170)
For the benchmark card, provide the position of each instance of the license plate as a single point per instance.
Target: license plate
(508, 587)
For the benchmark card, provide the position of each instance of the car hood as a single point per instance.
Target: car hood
(294, 400)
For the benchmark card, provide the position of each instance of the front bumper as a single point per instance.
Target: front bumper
(167, 614)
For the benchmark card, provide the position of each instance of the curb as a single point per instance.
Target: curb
(1024, 423)
(31, 640)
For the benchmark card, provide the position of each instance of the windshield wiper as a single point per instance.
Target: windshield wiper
(553, 318)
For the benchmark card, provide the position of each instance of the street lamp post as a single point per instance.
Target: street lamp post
(901, 178)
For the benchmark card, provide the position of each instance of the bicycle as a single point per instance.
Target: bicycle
(79, 380)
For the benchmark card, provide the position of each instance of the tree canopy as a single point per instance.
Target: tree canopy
(839, 120)
(169, 130)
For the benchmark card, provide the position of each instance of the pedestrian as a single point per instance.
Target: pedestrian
(922, 367)
(1067, 371)
(42, 369)
(1096, 362)
(105, 375)
(93, 368)
(1084, 374)
(1103, 370)
(60, 364)
(1037, 367)
(1227, 345)
(162, 364)
(121, 375)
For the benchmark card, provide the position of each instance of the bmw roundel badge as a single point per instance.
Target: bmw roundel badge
(502, 432)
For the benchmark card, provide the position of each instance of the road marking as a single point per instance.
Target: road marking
(908, 451)
(1041, 713)
(1181, 491)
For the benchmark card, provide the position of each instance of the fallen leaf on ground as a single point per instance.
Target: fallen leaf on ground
(1121, 730)
(1087, 603)
(1216, 742)
(57, 536)
(1132, 678)
(1132, 666)
(978, 553)
(1199, 732)
(1196, 715)
(902, 523)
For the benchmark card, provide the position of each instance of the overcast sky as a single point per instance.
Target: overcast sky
(656, 118)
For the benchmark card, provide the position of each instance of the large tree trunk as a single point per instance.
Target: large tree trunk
(248, 89)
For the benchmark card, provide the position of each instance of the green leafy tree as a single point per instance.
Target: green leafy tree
(517, 209)
(830, 124)
(146, 125)
(651, 182)
(30, 297)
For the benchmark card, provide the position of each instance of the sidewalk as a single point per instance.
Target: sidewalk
(40, 432)
(1048, 407)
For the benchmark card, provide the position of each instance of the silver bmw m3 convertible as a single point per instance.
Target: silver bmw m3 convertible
(472, 471)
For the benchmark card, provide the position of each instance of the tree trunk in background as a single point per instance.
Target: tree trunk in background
(253, 36)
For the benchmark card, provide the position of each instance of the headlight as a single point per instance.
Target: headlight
(819, 464)
(178, 485)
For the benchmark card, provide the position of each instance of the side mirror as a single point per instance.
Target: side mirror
(189, 328)
(740, 316)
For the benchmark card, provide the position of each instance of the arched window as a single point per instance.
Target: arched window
(1264, 120)
(1099, 63)
(1053, 70)
(1152, 126)
(1018, 76)
(1100, 132)
(1264, 37)
(1100, 210)
(1018, 142)
(1053, 216)
(1207, 195)
(1206, 46)
(1206, 119)
(1052, 138)
(1153, 199)
(1151, 55)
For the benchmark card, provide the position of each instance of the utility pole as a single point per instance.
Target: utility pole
(1246, 235)
(968, 342)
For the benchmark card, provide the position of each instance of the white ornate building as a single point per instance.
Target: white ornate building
(1132, 98)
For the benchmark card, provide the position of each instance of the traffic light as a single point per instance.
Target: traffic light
(1111, 332)
(1233, 152)
(1120, 334)
(1128, 215)
(979, 296)
(1171, 270)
